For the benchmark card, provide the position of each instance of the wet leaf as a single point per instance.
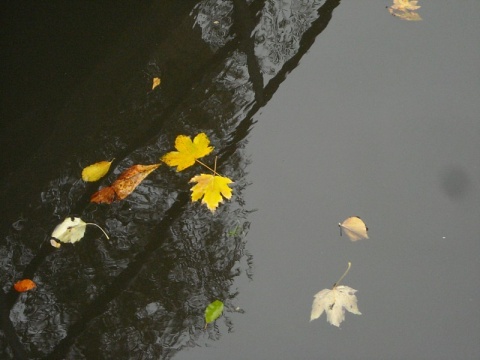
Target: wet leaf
(71, 230)
(124, 185)
(211, 188)
(105, 195)
(235, 231)
(354, 228)
(405, 10)
(334, 302)
(156, 82)
(213, 311)
(96, 171)
(188, 151)
(408, 15)
(55, 244)
(405, 5)
(24, 285)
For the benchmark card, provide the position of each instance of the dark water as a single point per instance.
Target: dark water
(331, 109)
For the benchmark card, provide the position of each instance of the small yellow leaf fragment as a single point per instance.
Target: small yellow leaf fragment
(188, 151)
(156, 82)
(211, 188)
(55, 244)
(96, 171)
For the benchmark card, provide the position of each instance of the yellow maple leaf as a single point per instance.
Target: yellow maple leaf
(211, 188)
(404, 9)
(405, 5)
(96, 171)
(188, 151)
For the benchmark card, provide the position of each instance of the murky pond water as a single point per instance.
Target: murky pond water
(318, 110)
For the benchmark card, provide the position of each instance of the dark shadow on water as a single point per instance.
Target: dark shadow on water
(144, 291)
(455, 182)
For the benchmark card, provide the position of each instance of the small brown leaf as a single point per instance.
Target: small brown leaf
(24, 285)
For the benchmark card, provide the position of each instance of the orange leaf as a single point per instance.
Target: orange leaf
(24, 285)
(124, 185)
(105, 195)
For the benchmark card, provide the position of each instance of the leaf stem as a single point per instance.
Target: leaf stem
(100, 229)
(214, 171)
(341, 277)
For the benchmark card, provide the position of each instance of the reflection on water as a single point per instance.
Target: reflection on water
(142, 294)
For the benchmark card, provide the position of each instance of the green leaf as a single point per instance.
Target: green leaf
(213, 311)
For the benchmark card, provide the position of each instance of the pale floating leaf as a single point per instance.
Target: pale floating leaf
(405, 5)
(354, 228)
(71, 230)
(405, 10)
(334, 302)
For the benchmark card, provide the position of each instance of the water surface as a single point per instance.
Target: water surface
(332, 109)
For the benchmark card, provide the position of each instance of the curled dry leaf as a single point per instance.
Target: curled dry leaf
(211, 188)
(124, 185)
(24, 285)
(156, 82)
(96, 171)
(354, 228)
(188, 151)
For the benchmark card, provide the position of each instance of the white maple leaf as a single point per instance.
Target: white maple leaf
(334, 302)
